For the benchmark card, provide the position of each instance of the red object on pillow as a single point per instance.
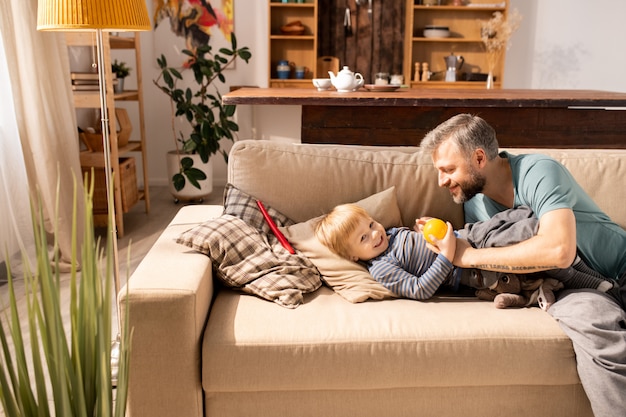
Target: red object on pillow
(281, 238)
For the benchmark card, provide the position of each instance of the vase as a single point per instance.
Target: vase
(489, 84)
(189, 193)
(119, 87)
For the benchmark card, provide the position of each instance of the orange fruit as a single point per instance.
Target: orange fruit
(436, 228)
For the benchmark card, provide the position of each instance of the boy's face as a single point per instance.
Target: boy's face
(368, 240)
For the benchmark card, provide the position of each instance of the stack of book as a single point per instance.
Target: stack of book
(87, 81)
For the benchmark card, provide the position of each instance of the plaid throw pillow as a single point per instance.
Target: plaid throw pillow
(240, 204)
(246, 256)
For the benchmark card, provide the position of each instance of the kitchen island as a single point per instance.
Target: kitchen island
(522, 118)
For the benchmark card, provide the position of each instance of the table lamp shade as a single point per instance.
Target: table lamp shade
(85, 15)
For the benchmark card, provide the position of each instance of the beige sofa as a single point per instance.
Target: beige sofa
(200, 351)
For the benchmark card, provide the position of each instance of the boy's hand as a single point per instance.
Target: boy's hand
(419, 223)
(445, 246)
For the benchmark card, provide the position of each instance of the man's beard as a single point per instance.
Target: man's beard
(474, 185)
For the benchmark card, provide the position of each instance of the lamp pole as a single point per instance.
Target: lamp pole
(99, 15)
(108, 175)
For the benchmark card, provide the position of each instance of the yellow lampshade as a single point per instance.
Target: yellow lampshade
(85, 15)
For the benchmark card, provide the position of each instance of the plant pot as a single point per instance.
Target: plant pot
(190, 192)
(119, 87)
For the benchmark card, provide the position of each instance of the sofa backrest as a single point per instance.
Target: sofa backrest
(304, 180)
(601, 173)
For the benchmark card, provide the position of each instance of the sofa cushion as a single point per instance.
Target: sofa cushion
(349, 279)
(247, 257)
(330, 344)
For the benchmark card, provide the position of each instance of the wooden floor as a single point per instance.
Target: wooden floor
(141, 231)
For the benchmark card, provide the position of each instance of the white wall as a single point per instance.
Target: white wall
(565, 44)
(561, 44)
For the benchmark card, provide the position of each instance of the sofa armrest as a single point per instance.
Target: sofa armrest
(169, 297)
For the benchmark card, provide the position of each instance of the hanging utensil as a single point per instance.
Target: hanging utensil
(369, 9)
(347, 20)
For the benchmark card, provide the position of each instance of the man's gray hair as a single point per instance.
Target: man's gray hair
(468, 131)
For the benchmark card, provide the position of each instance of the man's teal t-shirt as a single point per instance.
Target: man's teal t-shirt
(544, 184)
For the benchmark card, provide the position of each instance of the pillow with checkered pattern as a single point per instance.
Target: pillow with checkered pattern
(240, 204)
(246, 256)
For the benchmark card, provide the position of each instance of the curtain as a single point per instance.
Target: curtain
(46, 121)
(375, 43)
(15, 222)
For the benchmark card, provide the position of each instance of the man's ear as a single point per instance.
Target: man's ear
(479, 157)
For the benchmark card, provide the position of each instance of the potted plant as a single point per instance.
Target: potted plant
(199, 107)
(63, 373)
(121, 71)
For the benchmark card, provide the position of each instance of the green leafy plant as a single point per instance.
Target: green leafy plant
(208, 120)
(73, 370)
(120, 69)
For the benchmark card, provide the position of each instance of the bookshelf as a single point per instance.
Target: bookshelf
(298, 49)
(91, 99)
(464, 40)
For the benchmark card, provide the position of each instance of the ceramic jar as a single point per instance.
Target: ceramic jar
(397, 79)
(283, 69)
(382, 78)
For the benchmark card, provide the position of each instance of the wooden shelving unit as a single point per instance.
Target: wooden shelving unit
(464, 40)
(463, 21)
(301, 50)
(91, 99)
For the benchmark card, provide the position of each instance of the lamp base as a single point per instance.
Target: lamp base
(115, 361)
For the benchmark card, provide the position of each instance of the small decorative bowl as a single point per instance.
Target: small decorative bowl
(293, 28)
(432, 31)
(322, 84)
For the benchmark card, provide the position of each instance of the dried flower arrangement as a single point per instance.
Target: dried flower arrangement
(496, 33)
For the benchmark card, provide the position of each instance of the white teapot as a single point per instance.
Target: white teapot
(346, 80)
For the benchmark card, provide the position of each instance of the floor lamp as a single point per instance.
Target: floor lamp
(98, 16)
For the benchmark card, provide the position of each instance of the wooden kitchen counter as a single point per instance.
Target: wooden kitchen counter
(522, 118)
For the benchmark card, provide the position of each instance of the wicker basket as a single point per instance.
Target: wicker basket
(128, 178)
(93, 141)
